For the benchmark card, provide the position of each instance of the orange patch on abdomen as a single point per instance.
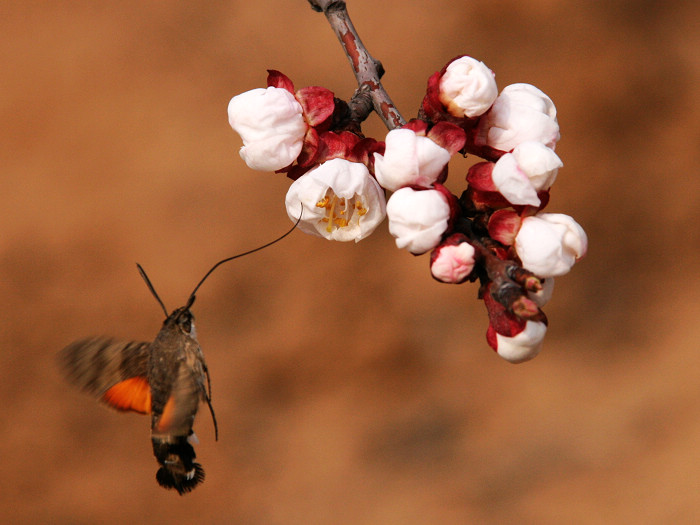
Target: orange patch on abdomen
(166, 418)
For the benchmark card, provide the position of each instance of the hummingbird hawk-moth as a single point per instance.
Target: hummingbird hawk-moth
(167, 378)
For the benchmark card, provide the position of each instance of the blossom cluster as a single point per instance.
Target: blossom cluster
(495, 232)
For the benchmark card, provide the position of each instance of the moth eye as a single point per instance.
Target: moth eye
(185, 322)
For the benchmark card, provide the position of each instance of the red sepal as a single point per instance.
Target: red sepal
(502, 321)
(448, 136)
(491, 338)
(318, 104)
(486, 200)
(340, 144)
(480, 177)
(418, 126)
(504, 225)
(452, 201)
(279, 80)
(432, 107)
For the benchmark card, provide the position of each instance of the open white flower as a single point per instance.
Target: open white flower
(417, 219)
(524, 345)
(342, 202)
(467, 88)
(271, 123)
(548, 244)
(521, 113)
(409, 159)
(530, 168)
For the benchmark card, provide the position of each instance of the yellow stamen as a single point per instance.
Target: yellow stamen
(340, 211)
(331, 210)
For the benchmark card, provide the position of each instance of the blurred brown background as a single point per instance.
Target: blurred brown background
(349, 386)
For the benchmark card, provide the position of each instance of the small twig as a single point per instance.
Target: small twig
(368, 71)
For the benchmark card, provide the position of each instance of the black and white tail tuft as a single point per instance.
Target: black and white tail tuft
(178, 469)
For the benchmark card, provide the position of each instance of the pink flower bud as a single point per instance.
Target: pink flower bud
(521, 113)
(271, 123)
(409, 160)
(342, 202)
(417, 218)
(467, 88)
(548, 244)
(453, 260)
(519, 347)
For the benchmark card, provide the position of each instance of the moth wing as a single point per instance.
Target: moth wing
(131, 394)
(111, 370)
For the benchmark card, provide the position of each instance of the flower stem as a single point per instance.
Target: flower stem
(368, 71)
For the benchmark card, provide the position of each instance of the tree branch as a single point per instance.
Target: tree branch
(368, 71)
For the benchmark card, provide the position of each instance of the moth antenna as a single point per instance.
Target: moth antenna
(190, 301)
(150, 287)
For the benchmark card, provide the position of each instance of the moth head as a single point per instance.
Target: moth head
(181, 322)
(184, 320)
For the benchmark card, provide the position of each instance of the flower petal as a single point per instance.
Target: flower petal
(272, 127)
(548, 244)
(513, 183)
(467, 88)
(522, 346)
(417, 218)
(409, 160)
(521, 113)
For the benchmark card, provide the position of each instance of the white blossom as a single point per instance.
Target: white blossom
(342, 202)
(530, 168)
(271, 123)
(467, 88)
(417, 219)
(538, 162)
(548, 244)
(521, 113)
(513, 183)
(409, 159)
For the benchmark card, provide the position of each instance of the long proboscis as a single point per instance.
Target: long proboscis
(191, 299)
